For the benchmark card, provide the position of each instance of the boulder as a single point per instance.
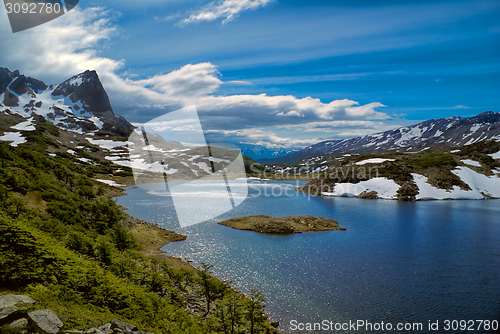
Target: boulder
(9, 306)
(19, 326)
(94, 331)
(122, 327)
(45, 321)
(106, 328)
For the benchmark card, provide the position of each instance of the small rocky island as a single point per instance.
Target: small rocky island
(285, 225)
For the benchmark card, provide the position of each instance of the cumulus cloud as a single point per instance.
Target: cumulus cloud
(228, 10)
(72, 44)
(63, 47)
(190, 80)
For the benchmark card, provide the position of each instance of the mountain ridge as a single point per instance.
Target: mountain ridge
(427, 135)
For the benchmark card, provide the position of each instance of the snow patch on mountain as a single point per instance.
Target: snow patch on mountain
(108, 144)
(15, 138)
(495, 155)
(471, 162)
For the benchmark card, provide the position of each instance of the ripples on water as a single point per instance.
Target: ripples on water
(396, 262)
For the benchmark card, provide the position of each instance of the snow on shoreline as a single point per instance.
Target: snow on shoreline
(385, 188)
(482, 187)
(372, 161)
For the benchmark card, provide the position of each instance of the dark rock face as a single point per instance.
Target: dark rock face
(22, 85)
(6, 77)
(10, 99)
(86, 87)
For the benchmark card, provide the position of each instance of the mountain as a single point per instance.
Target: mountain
(262, 152)
(428, 135)
(461, 172)
(79, 104)
(75, 119)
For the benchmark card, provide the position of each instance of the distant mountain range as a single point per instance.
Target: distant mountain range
(428, 135)
(261, 152)
(79, 104)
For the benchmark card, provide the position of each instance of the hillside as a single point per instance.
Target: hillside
(430, 135)
(65, 243)
(467, 172)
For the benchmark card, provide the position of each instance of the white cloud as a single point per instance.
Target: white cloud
(190, 80)
(62, 47)
(71, 44)
(226, 9)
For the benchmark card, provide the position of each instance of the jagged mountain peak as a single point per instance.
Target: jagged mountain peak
(78, 104)
(87, 88)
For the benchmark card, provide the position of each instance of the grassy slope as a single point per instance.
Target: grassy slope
(68, 245)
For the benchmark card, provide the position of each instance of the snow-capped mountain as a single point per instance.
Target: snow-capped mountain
(79, 104)
(432, 134)
(92, 133)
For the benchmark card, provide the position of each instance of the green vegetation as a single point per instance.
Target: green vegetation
(430, 159)
(282, 225)
(69, 246)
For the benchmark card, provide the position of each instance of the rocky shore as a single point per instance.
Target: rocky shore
(18, 316)
(285, 225)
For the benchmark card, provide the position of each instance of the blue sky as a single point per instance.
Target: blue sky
(328, 69)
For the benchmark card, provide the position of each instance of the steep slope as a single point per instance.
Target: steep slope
(428, 135)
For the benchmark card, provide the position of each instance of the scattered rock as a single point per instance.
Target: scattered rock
(14, 320)
(106, 328)
(45, 321)
(124, 326)
(368, 194)
(9, 306)
(19, 326)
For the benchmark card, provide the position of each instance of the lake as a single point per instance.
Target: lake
(397, 262)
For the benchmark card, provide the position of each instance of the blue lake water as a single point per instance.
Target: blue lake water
(397, 262)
